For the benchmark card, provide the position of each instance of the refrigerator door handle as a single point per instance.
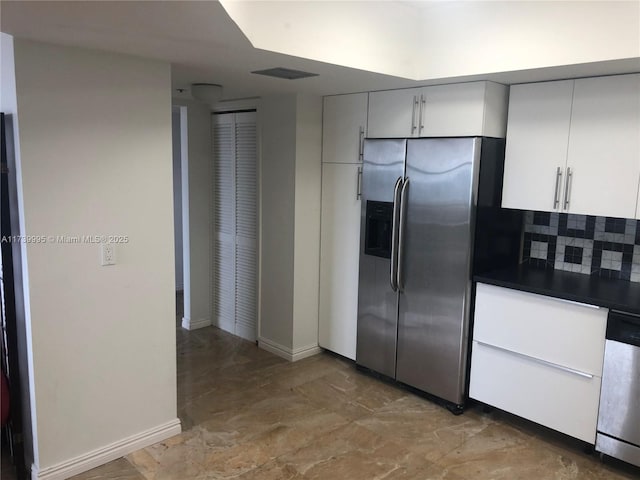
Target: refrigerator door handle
(401, 227)
(394, 236)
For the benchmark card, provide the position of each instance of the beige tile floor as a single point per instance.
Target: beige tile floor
(249, 415)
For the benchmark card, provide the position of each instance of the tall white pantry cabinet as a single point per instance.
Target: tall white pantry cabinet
(344, 124)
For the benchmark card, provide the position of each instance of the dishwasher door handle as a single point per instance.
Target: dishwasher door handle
(538, 360)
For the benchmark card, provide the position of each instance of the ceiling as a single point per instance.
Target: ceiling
(204, 44)
(199, 38)
(427, 40)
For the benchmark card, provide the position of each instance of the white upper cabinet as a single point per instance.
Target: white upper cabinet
(537, 140)
(457, 110)
(574, 146)
(344, 124)
(464, 110)
(394, 113)
(604, 146)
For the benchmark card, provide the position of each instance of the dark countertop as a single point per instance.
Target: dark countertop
(577, 287)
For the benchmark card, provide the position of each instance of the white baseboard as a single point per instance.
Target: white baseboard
(106, 454)
(293, 355)
(189, 324)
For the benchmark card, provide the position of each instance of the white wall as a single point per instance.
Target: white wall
(290, 138)
(95, 138)
(197, 197)
(276, 120)
(8, 105)
(177, 195)
(307, 222)
(476, 38)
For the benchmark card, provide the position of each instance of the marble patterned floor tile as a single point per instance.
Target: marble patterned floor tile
(351, 452)
(228, 396)
(424, 472)
(180, 457)
(350, 393)
(574, 450)
(247, 414)
(424, 427)
(272, 470)
(291, 375)
(272, 444)
(119, 469)
(501, 452)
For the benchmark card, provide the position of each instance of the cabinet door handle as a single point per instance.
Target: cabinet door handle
(537, 360)
(359, 184)
(423, 108)
(567, 188)
(413, 115)
(361, 144)
(556, 197)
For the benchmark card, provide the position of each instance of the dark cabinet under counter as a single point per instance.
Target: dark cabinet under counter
(603, 292)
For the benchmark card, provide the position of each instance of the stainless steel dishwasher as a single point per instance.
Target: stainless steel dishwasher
(619, 416)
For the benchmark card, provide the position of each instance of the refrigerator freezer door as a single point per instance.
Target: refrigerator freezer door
(383, 164)
(436, 254)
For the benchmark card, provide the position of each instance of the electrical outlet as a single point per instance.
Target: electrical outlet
(107, 254)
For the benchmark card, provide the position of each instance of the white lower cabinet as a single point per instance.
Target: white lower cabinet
(539, 358)
(339, 258)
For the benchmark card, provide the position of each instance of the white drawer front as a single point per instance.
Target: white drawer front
(550, 329)
(558, 399)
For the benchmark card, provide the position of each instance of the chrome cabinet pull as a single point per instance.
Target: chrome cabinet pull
(394, 236)
(359, 184)
(401, 227)
(414, 122)
(567, 188)
(361, 145)
(423, 108)
(556, 197)
(538, 360)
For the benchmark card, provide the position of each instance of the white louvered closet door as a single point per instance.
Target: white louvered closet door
(235, 223)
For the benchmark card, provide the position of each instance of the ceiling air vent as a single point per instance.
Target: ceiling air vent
(287, 73)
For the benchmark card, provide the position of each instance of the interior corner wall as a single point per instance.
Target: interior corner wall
(307, 222)
(277, 126)
(95, 141)
(197, 211)
(177, 195)
(8, 105)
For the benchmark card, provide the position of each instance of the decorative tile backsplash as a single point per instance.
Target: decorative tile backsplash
(602, 246)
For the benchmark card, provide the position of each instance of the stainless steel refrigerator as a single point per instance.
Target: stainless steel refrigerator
(419, 200)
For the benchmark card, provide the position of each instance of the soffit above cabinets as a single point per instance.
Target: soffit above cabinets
(353, 46)
(421, 40)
